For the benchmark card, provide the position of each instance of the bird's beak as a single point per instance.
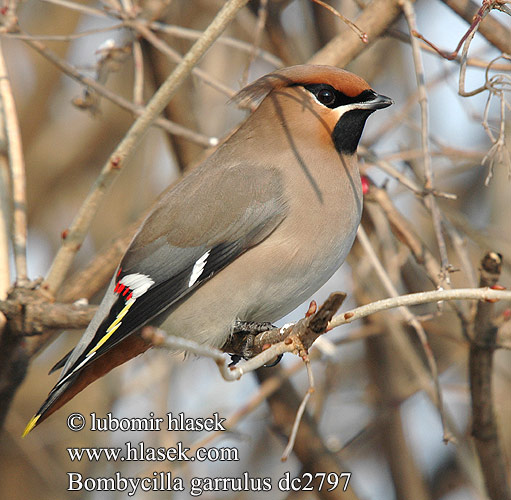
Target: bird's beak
(378, 102)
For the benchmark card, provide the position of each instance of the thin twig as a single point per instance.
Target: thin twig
(79, 7)
(494, 31)
(83, 219)
(463, 70)
(17, 172)
(415, 299)
(347, 45)
(299, 414)
(174, 56)
(404, 231)
(460, 246)
(64, 38)
(310, 449)
(498, 153)
(388, 168)
(68, 69)
(191, 34)
(411, 320)
(362, 35)
(472, 61)
(294, 431)
(266, 390)
(262, 14)
(428, 170)
(138, 79)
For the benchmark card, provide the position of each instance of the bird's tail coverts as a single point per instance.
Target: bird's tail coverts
(129, 347)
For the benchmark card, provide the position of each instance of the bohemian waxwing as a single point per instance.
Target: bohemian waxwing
(248, 235)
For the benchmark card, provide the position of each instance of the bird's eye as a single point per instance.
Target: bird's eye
(326, 96)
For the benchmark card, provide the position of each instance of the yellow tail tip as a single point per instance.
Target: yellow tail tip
(30, 425)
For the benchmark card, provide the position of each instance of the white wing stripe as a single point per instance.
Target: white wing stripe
(137, 283)
(198, 268)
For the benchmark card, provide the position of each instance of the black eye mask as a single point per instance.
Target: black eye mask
(332, 98)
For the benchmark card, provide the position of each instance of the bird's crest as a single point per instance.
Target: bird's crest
(305, 74)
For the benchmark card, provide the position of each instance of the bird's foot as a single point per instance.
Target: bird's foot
(251, 327)
(248, 330)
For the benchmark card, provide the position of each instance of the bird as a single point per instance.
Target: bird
(247, 236)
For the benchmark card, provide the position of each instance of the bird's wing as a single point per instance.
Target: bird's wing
(196, 229)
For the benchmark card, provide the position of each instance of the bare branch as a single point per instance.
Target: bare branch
(310, 448)
(484, 423)
(262, 15)
(38, 316)
(168, 126)
(428, 170)
(471, 61)
(79, 7)
(414, 299)
(411, 320)
(490, 28)
(301, 335)
(363, 36)
(83, 219)
(64, 38)
(190, 34)
(17, 173)
(176, 57)
(373, 21)
(138, 79)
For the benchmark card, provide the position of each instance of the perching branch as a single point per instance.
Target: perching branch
(296, 338)
(300, 336)
(323, 440)
(414, 299)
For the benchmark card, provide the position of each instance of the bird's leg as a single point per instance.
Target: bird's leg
(248, 330)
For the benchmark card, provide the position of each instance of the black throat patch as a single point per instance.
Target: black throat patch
(347, 131)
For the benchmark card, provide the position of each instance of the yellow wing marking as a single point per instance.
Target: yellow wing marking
(113, 327)
(110, 331)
